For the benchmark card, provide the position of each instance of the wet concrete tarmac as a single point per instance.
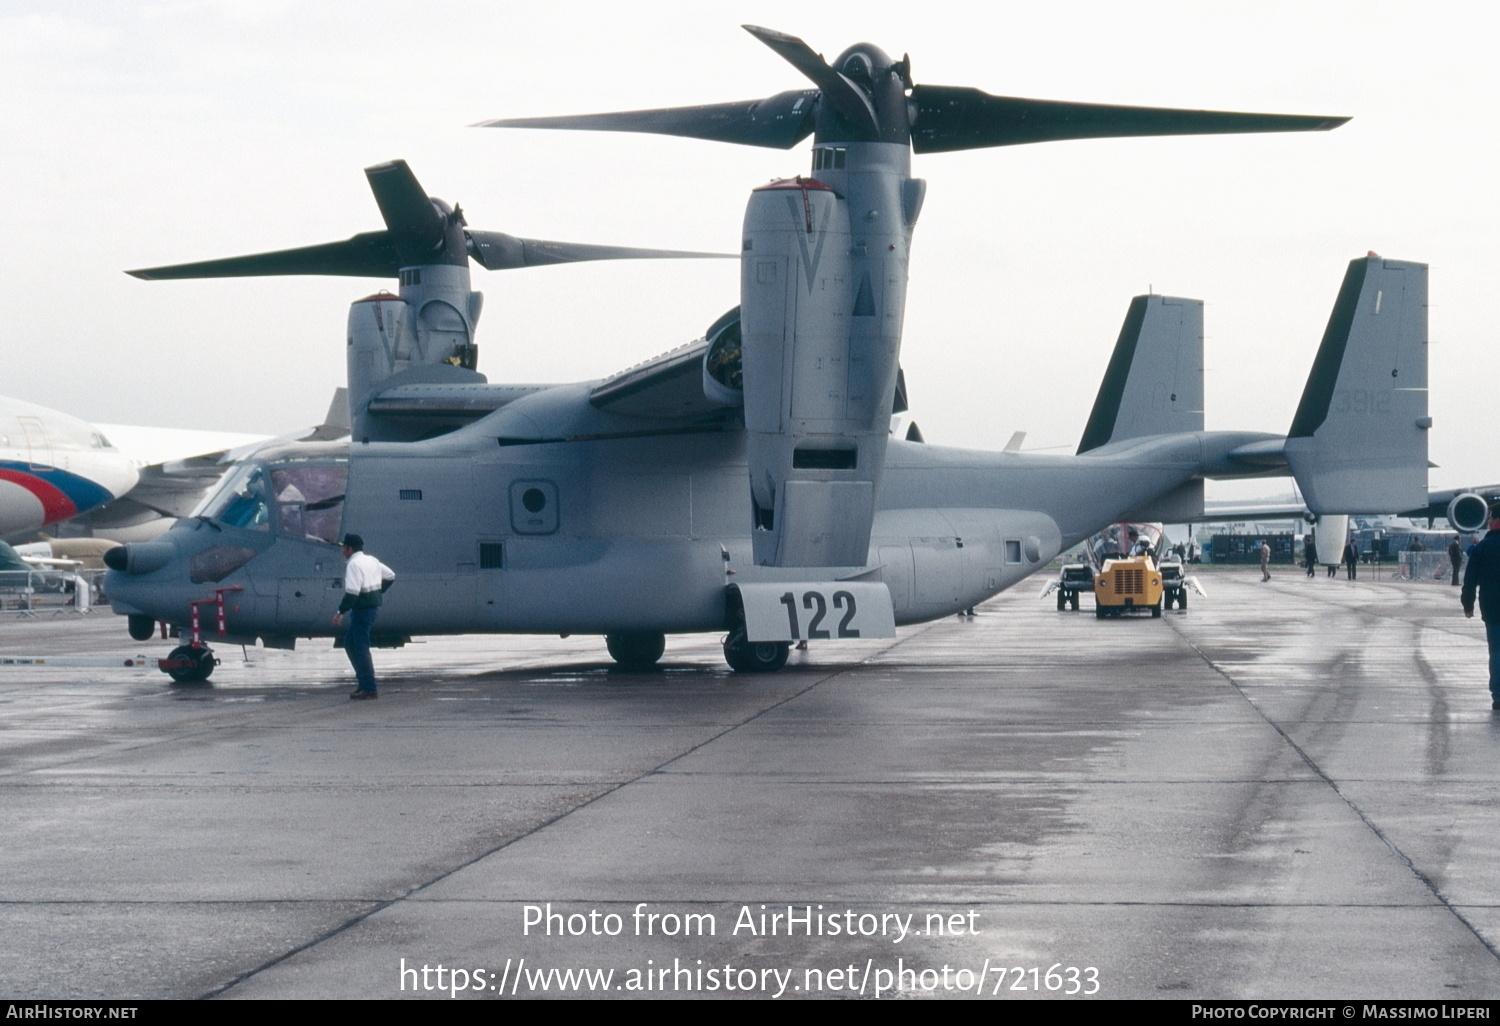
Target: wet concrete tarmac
(1285, 792)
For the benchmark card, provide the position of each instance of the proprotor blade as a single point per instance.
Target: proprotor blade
(960, 118)
(496, 251)
(367, 255)
(849, 101)
(407, 211)
(778, 122)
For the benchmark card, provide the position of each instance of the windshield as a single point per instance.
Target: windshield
(241, 500)
(296, 499)
(1125, 540)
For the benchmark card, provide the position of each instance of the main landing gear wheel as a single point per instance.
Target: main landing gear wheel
(1062, 600)
(636, 649)
(745, 656)
(200, 663)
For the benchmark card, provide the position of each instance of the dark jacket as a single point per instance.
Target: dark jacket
(1483, 575)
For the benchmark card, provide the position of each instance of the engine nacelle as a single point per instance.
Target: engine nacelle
(820, 326)
(1468, 513)
(1332, 537)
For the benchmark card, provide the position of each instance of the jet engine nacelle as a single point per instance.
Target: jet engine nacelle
(1468, 513)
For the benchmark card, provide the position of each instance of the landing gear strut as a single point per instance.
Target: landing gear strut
(745, 656)
(193, 662)
(636, 649)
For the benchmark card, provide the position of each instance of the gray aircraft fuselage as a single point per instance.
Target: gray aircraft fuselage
(644, 504)
(630, 533)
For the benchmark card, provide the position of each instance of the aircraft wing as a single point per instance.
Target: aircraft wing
(670, 385)
(175, 487)
(48, 563)
(1439, 506)
(1291, 510)
(170, 489)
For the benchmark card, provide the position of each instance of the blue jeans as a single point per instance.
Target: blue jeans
(357, 645)
(1492, 635)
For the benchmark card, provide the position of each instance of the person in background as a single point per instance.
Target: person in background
(1482, 578)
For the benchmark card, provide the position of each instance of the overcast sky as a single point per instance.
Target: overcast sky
(134, 134)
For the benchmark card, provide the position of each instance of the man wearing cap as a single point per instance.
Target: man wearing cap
(365, 580)
(1483, 575)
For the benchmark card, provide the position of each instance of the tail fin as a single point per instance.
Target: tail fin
(1154, 383)
(1358, 443)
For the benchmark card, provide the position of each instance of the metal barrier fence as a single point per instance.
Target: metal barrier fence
(1424, 566)
(28, 593)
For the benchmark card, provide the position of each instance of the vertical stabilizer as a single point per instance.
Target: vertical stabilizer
(1358, 443)
(1154, 383)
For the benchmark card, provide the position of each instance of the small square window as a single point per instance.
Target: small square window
(1012, 551)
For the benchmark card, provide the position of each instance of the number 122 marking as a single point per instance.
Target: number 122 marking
(814, 600)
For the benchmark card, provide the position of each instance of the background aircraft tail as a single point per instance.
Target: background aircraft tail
(1358, 443)
(1154, 382)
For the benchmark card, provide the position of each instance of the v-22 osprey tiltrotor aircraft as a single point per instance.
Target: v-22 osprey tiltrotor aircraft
(747, 483)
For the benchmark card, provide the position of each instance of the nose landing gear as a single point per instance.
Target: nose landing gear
(188, 664)
(194, 662)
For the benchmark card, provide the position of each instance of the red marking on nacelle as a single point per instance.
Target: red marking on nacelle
(794, 183)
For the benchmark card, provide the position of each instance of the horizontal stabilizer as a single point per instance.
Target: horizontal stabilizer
(1154, 383)
(1358, 443)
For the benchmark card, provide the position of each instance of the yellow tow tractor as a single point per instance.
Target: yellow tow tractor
(1128, 584)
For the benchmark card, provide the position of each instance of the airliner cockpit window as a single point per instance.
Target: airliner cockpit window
(309, 500)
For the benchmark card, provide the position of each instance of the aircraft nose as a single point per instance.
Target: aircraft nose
(139, 557)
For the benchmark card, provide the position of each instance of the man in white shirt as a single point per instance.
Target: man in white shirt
(366, 579)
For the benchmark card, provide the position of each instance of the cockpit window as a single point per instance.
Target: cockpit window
(241, 501)
(309, 500)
